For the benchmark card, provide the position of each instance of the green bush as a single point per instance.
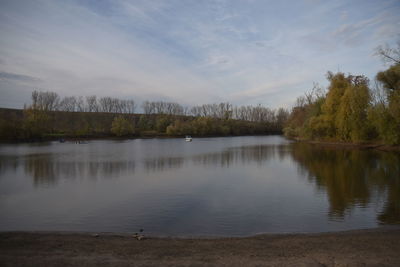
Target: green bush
(121, 126)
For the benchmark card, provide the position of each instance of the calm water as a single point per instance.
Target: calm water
(232, 186)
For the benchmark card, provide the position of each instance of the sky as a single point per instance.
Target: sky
(192, 52)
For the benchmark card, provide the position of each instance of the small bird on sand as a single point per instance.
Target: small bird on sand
(137, 236)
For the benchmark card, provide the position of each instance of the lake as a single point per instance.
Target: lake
(228, 186)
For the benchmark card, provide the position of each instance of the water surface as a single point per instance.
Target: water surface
(232, 186)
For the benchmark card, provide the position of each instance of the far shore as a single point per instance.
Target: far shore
(371, 247)
(115, 138)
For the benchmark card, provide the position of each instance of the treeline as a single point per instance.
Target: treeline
(352, 110)
(51, 101)
(50, 116)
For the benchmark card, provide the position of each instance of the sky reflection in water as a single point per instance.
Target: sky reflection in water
(211, 186)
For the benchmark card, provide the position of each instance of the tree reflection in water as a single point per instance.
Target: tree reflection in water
(47, 169)
(242, 155)
(351, 176)
(162, 164)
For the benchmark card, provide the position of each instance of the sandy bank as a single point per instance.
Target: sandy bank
(353, 248)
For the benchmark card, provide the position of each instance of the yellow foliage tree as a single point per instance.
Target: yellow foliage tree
(122, 127)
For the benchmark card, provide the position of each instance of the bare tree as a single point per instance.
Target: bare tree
(131, 106)
(281, 116)
(68, 104)
(185, 111)
(389, 54)
(80, 104)
(47, 101)
(148, 107)
(91, 102)
(379, 95)
(106, 104)
(196, 111)
(223, 110)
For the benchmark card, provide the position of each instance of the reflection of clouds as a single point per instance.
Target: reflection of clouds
(349, 178)
(8, 163)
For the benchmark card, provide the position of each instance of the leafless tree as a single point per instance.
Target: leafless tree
(131, 106)
(389, 54)
(106, 104)
(91, 102)
(80, 104)
(195, 111)
(379, 95)
(47, 101)
(68, 104)
(148, 107)
(281, 116)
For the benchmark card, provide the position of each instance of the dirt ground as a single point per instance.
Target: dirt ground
(376, 247)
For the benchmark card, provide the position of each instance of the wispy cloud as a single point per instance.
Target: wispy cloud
(18, 77)
(187, 51)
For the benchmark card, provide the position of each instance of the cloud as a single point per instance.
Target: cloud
(76, 60)
(344, 15)
(18, 77)
(273, 87)
(191, 52)
(354, 34)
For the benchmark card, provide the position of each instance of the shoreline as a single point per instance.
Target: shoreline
(114, 138)
(380, 147)
(377, 246)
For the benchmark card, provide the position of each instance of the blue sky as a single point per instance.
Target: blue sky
(191, 52)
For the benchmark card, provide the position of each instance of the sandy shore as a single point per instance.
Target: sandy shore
(375, 247)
